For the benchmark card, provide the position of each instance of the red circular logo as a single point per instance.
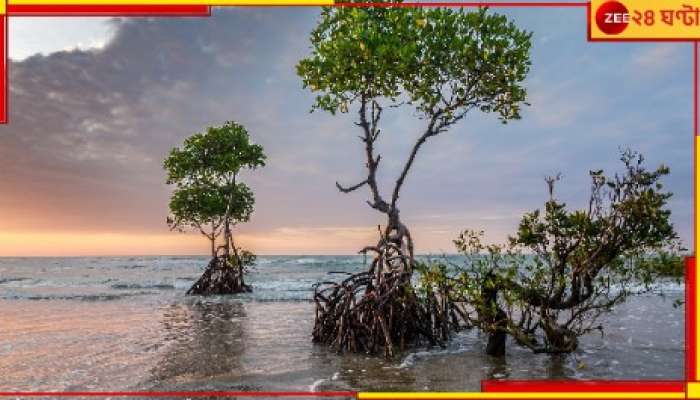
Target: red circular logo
(612, 17)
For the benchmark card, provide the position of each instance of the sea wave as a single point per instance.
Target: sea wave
(79, 297)
(131, 286)
(413, 357)
(10, 280)
(275, 278)
(132, 266)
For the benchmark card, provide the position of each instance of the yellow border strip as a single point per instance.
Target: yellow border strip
(693, 390)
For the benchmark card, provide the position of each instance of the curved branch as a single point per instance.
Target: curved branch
(350, 188)
(429, 132)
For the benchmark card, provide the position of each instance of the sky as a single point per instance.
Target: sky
(46, 35)
(96, 104)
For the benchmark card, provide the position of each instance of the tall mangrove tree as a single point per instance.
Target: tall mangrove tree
(442, 63)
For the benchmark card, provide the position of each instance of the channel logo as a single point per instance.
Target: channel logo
(612, 17)
(642, 20)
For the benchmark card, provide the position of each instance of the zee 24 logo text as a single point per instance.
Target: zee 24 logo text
(613, 17)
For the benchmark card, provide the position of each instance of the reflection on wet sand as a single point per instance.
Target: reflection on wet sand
(231, 345)
(224, 344)
(124, 323)
(201, 339)
(178, 343)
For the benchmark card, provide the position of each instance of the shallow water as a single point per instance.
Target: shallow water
(125, 324)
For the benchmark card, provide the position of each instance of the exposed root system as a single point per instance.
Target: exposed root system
(220, 277)
(379, 310)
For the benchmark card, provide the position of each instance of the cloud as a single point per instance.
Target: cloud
(656, 58)
(31, 35)
(90, 128)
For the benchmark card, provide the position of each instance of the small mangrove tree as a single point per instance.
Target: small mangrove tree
(563, 269)
(209, 198)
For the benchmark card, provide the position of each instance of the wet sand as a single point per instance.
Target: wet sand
(125, 324)
(227, 344)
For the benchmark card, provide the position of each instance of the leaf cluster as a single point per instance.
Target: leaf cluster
(443, 61)
(201, 205)
(204, 171)
(213, 157)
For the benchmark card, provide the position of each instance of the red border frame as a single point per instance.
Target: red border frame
(467, 4)
(508, 386)
(107, 10)
(4, 70)
(589, 386)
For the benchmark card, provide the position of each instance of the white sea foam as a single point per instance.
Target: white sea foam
(314, 386)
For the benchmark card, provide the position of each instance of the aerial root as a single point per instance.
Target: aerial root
(379, 310)
(220, 277)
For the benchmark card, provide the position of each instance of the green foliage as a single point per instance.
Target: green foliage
(626, 213)
(563, 269)
(204, 170)
(432, 274)
(199, 205)
(213, 157)
(443, 61)
(245, 257)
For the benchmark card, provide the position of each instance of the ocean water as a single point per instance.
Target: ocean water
(124, 323)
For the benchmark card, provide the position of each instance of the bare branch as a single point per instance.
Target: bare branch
(350, 188)
(370, 133)
(429, 132)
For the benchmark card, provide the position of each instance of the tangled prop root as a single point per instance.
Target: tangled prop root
(380, 310)
(220, 277)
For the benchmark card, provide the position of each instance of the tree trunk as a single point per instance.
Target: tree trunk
(238, 261)
(496, 345)
(220, 277)
(378, 310)
(494, 316)
(397, 235)
(224, 274)
(212, 239)
(227, 238)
